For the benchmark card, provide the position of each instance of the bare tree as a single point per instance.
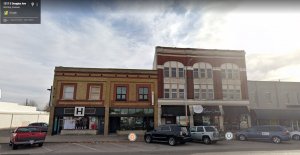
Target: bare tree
(31, 103)
(46, 108)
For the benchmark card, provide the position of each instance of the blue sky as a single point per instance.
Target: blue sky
(118, 34)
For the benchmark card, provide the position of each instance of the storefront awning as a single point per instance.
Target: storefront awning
(279, 114)
(174, 111)
(234, 111)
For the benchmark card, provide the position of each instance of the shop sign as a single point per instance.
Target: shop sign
(132, 137)
(229, 135)
(79, 111)
(198, 109)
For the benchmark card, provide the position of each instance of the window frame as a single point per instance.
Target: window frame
(62, 90)
(116, 91)
(138, 86)
(89, 86)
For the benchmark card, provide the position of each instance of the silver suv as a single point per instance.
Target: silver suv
(207, 134)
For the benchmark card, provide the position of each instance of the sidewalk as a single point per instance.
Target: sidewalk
(82, 139)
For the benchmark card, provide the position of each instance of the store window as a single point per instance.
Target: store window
(121, 93)
(94, 92)
(68, 92)
(80, 123)
(143, 94)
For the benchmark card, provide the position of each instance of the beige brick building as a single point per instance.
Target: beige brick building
(103, 101)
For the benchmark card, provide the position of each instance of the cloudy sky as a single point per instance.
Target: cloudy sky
(119, 34)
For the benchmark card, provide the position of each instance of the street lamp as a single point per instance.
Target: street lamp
(50, 99)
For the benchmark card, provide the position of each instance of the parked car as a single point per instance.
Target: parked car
(275, 133)
(43, 126)
(207, 134)
(171, 133)
(295, 135)
(27, 136)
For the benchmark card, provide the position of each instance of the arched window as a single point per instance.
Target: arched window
(230, 71)
(174, 70)
(203, 83)
(231, 90)
(202, 70)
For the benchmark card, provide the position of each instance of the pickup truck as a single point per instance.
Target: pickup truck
(27, 136)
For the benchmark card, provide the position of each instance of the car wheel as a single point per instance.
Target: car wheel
(172, 141)
(206, 140)
(148, 139)
(40, 144)
(14, 146)
(296, 137)
(242, 137)
(276, 140)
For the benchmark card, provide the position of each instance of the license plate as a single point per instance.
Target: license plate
(31, 141)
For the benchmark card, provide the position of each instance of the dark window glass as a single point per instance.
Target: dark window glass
(165, 128)
(121, 93)
(173, 72)
(180, 72)
(200, 129)
(209, 73)
(143, 94)
(202, 73)
(167, 93)
(196, 73)
(209, 129)
(166, 72)
(124, 111)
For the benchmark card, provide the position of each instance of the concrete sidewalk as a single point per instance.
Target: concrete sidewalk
(83, 139)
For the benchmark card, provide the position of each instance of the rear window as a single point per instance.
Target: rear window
(28, 130)
(210, 129)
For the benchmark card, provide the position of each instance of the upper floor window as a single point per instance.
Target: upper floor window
(174, 91)
(68, 92)
(231, 92)
(121, 93)
(204, 92)
(230, 71)
(94, 92)
(143, 94)
(202, 70)
(173, 69)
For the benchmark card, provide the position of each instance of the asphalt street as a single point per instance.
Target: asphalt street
(194, 148)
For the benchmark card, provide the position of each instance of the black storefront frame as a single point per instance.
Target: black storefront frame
(115, 115)
(211, 111)
(61, 112)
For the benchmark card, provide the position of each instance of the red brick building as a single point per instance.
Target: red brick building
(209, 86)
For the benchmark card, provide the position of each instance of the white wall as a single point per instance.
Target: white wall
(12, 120)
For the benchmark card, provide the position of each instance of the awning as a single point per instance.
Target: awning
(174, 110)
(234, 111)
(210, 110)
(279, 114)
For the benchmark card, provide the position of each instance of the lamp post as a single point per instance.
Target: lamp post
(50, 98)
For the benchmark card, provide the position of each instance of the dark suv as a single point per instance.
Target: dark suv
(43, 126)
(171, 133)
(275, 133)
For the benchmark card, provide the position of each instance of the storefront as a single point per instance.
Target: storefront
(90, 121)
(235, 118)
(127, 119)
(207, 115)
(175, 115)
(285, 117)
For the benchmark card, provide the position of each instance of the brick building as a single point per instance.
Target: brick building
(208, 86)
(103, 101)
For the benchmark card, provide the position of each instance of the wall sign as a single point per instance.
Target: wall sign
(198, 109)
(79, 111)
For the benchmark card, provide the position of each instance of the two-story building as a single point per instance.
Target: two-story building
(275, 103)
(103, 101)
(202, 87)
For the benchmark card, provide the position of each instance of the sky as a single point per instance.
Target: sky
(119, 34)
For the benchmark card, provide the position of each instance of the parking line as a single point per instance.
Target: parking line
(47, 149)
(85, 146)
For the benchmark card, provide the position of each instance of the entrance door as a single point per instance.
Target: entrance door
(114, 124)
(101, 125)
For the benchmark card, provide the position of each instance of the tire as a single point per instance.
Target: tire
(296, 137)
(14, 146)
(206, 140)
(276, 140)
(172, 141)
(242, 137)
(40, 144)
(148, 139)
